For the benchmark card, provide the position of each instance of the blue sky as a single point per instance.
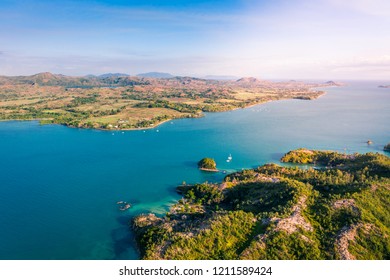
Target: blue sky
(279, 39)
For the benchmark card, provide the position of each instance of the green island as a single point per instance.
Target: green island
(387, 147)
(120, 102)
(207, 164)
(339, 210)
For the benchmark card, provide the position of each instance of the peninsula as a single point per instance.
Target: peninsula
(337, 211)
(119, 101)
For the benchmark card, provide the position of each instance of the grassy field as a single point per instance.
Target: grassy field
(131, 103)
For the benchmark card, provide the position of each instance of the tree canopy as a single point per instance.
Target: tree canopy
(207, 163)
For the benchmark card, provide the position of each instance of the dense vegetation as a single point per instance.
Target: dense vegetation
(305, 156)
(207, 163)
(340, 210)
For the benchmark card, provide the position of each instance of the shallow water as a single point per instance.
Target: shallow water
(59, 186)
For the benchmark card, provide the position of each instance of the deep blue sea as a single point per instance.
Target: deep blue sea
(59, 186)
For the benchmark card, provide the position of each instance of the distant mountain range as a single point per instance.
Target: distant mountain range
(49, 79)
(220, 77)
(109, 75)
(156, 75)
(122, 79)
(104, 80)
(248, 80)
(163, 75)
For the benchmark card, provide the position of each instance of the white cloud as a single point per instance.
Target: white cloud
(285, 39)
(369, 7)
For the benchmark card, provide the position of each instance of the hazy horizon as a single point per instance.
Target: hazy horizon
(323, 39)
(221, 77)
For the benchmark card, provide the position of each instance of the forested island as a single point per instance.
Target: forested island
(207, 164)
(337, 210)
(118, 101)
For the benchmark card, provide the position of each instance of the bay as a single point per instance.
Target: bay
(59, 186)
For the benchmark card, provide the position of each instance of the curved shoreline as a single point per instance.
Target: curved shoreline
(249, 198)
(319, 94)
(209, 170)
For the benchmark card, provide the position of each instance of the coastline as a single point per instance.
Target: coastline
(165, 199)
(135, 128)
(209, 170)
(102, 129)
(320, 93)
(211, 205)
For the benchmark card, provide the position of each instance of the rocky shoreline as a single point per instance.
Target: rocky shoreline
(253, 214)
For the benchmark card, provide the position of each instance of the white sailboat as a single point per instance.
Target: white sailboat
(229, 159)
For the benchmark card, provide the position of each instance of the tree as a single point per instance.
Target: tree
(207, 163)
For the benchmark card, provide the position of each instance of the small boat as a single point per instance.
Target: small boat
(125, 207)
(229, 159)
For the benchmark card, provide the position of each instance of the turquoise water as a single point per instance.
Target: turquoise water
(59, 186)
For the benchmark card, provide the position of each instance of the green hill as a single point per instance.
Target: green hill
(338, 211)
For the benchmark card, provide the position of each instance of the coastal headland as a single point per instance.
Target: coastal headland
(126, 102)
(338, 210)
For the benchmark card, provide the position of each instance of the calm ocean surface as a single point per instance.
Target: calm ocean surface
(59, 186)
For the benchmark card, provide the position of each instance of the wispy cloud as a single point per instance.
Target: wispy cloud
(369, 7)
(363, 67)
(375, 61)
(254, 38)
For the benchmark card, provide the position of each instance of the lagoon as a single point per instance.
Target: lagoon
(59, 186)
